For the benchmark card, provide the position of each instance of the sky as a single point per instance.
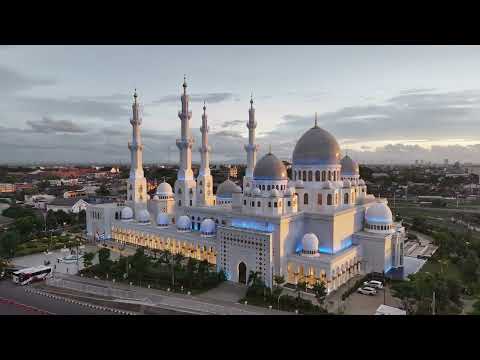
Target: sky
(384, 104)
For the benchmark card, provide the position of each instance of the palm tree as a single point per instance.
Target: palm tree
(253, 277)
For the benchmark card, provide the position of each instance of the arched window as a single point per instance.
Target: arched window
(263, 187)
(305, 199)
(294, 175)
(258, 203)
(304, 175)
(329, 175)
(345, 198)
(329, 199)
(268, 187)
(310, 176)
(179, 202)
(277, 187)
(319, 199)
(323, 175)
(179, 190)
(317, 175)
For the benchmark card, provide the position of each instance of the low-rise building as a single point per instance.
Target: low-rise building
(71, 205)
(7, 188)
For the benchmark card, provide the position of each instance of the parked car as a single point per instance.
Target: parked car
(374, 284)
(367, 291)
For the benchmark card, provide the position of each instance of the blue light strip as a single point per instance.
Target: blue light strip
(252, 225)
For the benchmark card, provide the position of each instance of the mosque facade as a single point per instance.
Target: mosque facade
(320, 225)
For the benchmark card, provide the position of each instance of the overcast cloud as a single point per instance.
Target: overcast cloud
(383, 104)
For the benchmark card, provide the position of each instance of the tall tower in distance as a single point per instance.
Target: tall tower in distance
(137, 184)
(251, 148)
(204, 180)
(185, 186)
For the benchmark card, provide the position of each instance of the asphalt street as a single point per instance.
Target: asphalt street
(14, 300)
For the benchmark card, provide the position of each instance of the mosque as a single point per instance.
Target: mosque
(318, 226)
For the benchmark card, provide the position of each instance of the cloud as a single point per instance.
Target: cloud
(229, 133)
(12, 81)
(47, 125)
(232, 123)
(424, 115)
(74, 107)
(210, 98)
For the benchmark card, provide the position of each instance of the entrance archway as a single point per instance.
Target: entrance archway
(242, 273)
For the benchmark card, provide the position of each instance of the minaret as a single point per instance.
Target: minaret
(185, 186)
(204, 180)
(251, 148)
(137, 184)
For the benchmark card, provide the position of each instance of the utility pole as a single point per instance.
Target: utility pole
(433, 304)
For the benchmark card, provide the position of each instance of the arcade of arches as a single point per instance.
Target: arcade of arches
(339, 275)
(154, 241)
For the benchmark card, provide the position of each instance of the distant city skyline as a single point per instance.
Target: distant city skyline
(384, 104)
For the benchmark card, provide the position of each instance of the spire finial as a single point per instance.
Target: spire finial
(204, 106)
(316, 121)
(251, 100)
(184, 83)
(135, 95)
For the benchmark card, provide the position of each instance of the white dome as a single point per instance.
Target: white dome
(207, 227)
(275, 193)
(144, 216)
(361, 182)
(164, 189)
(162, 219)
(256, 192)
(310, 243)
(127, 213)
(379, 213)
(270, 167)
(349, 166)
(155, 197)
(226, 189)
(347, 183)
(184, 223)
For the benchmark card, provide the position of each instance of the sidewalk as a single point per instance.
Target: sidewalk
(169, 300)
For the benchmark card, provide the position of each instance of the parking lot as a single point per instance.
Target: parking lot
(358, 304)
(59, 267)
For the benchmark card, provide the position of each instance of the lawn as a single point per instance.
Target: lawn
(44, 243)
(451, 270)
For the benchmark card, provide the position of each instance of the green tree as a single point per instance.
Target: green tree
(63, 217)
(28, 226)
(8, 244)
(320, 291)
(52, 222)
(88, 259)
(82, 217)
(103, 190)
(103, 256)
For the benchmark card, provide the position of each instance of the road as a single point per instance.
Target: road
(168, 300)
(460, 210)
(22, 302)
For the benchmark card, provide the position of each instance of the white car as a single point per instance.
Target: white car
(367, 291)
(373, 284)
